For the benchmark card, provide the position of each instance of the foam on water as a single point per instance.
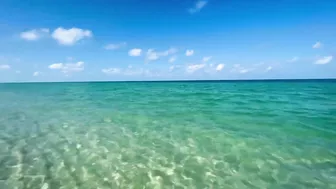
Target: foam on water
(168, 135)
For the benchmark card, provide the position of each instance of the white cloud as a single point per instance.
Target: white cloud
(153, 55)
(135, 52)
(220, 67)
(194, 67)
(243, 71)
(324, 60)
(294, 59)
(35, 74)
(317, 45)
(172, 59)
(206, 59)
(56, 66)
(111, 71)
(35, 34)
(115, 46)
(189, 52)
(4, 67)
(171, 68)
(168, 52)
(174, 67)
(237, 68)
(198, 6)
(133, 71)
(130, 71)
(68, 68)
(259, 67)
(70, 36)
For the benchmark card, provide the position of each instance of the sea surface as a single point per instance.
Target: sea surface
(173, 135)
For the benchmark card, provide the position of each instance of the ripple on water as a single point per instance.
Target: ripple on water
(232, 136)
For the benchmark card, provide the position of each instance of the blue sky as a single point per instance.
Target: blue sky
(166, 40)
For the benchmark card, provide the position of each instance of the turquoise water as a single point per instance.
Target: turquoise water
(279, 134)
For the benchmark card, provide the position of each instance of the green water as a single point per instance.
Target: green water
(226, 135)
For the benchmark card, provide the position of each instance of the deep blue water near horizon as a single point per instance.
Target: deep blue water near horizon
(331, 80)
(168, 134)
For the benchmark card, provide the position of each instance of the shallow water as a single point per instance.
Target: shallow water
(168, 135)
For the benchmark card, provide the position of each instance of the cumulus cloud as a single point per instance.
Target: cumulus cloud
(29, 35)
(174, 68)
(317, 45)
(172, 59)
(111, 70)
(171, 68)
(134, 71)
(324, 60)
(130, 71)
(220, 67)
(259, 67)
(168, 52)
(70, 36)
(56, 66)
(237, 68)
(198, 6)
(68, 68)
(35, 34)
(194, 67)
(189, 52)
(154, 55)
(135, 52)
(206, 59)
(115, 46)
(294, 59)
(244, 71)
(4, 67)
(35, 74)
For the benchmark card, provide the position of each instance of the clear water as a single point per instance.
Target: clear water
(168, 135)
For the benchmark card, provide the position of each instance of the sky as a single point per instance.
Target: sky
(82, 40)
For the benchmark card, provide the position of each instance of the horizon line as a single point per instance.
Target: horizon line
(186, 80)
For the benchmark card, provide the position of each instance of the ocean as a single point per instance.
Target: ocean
(174, 135)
